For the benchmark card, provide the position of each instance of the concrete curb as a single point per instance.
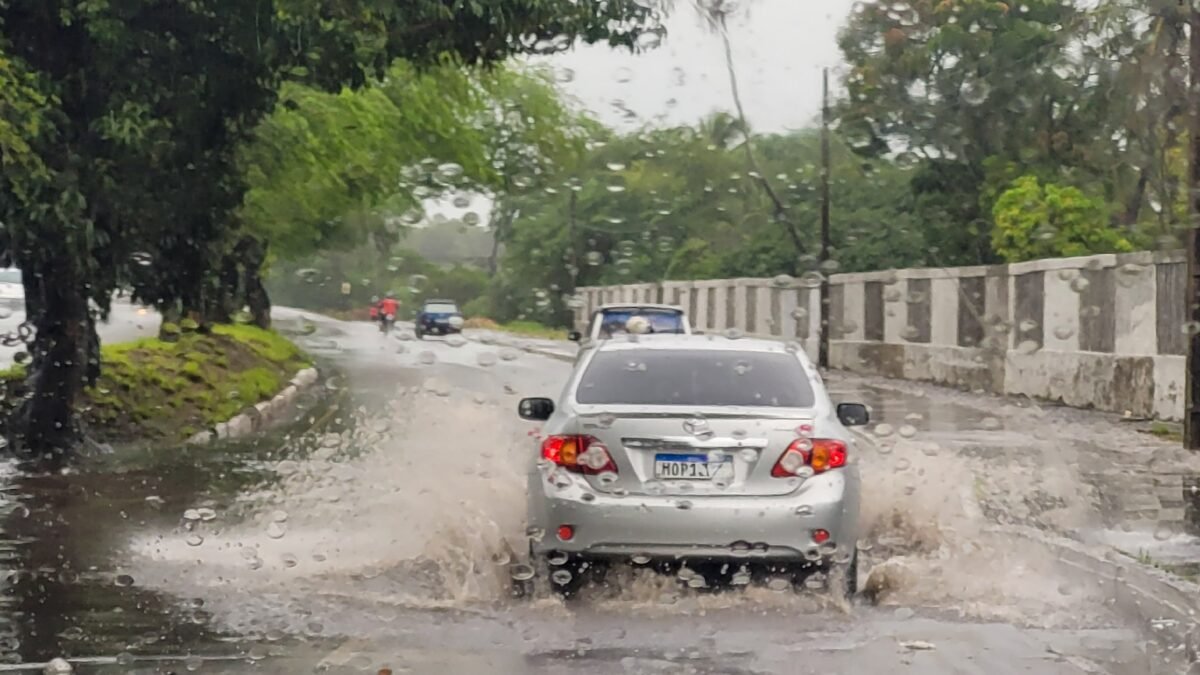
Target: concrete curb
(262, 415)
(549, 354)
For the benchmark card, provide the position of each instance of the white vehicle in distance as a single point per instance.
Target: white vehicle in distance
(634, 318)
(12, 288)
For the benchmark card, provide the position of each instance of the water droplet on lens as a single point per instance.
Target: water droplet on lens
(804, 510)
(883, 430)
(427, 358)
(907, 431)
(195, 540)
(990, 424)
(124, 580)
(561, 577)
(748, 455)
(640, 559)
(276, 530)
(486, 359)
(779, 584)
(124, 658)
(520, 572)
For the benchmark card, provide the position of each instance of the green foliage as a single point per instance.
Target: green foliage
(120, 122)
(1043, 221)
(680, 204)
(977, 93)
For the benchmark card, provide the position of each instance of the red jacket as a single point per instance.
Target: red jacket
(389, 306)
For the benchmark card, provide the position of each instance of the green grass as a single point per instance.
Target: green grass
(156, 390)
(1165, 431)
(534, 329)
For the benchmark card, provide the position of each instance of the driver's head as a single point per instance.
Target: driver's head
(638, 325)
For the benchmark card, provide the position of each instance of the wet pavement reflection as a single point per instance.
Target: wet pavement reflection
(375, 531)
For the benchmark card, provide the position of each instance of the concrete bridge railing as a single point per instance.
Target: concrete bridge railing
(1104, 331)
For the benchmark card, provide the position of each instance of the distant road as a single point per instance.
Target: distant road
(126, 322)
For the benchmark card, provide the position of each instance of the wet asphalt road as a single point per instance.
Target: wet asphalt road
(377, 532)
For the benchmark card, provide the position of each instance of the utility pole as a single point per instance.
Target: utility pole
(1191, 423)
(571, 241)
(823, 348)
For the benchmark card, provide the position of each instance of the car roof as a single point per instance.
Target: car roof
(640, 305)
(435, 301)
(692, 342)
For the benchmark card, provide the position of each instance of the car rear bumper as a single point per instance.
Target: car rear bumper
(708, 527)
(439, 329)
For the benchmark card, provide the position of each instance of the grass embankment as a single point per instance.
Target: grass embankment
(525, 328)
(154, 390)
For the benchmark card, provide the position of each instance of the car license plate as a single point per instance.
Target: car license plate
(686, 467)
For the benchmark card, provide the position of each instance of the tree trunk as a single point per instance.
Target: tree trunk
(45, 425)
(223, 294)
(1133, 207)
(253, 254)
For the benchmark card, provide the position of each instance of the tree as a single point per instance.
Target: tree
(952, 86)
(1046, 221)
(145, 104)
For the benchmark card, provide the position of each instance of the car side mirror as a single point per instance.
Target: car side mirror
(535, 409)
(574, 336)
(853, 414)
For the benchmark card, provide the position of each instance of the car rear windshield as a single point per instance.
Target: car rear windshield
(690, 377)
(441, 308)
(10, 276)
(613, 321)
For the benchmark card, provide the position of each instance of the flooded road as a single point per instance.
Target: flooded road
(377, 532)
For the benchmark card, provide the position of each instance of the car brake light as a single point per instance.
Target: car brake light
(820, 454)
(579, 454)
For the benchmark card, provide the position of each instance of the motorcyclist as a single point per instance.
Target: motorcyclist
(388, 307)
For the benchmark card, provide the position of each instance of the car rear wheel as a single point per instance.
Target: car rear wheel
(843, 576)
(564, 579)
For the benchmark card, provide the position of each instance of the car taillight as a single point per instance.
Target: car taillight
(820, 454)
(580, 454)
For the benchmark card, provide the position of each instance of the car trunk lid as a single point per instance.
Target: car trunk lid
(668, 451)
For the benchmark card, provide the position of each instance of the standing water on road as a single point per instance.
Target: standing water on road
(389, 536)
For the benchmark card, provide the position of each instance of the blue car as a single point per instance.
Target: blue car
(438, 317)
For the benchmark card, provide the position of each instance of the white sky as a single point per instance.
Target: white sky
(780, 47)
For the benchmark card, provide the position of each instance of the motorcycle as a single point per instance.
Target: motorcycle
(386, 323)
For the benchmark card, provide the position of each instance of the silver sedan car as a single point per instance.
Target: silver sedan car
(719, 457)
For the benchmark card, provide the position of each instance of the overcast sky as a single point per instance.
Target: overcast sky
(780, 47)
